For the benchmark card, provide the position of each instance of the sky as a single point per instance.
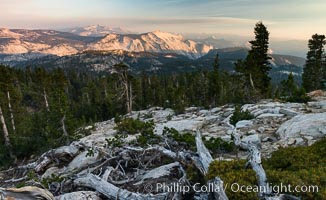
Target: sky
(290, 19)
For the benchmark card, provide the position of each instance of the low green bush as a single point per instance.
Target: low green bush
(297, 166)
(217, 146)
(185, 140)
(239, 115)
(131, 126)
(188, 141)
(234, 172)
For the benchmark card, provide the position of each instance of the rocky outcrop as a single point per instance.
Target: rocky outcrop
(124, 171)
(306, 127)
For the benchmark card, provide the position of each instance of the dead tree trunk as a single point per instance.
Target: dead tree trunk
(127, 96)
(65, 133)
(6, 133)
(26, 193)
(113, 192)
(205, 159)
(128, 93)
(122, 70)
(256, 164)
(45, 96)
(11, 113)
(130, 97)
(251, 82)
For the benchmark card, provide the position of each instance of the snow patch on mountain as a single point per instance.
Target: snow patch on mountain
(20, 41)
(157, 41)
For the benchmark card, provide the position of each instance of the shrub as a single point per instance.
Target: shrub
(185, 140)
(239, 115)
(131, 126)
(147, 138)
(217, 145)
(232, 172)
(134, 126)
(188, 141)
(295, 165)
(116, 141)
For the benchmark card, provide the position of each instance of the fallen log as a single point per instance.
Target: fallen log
(205, 159)
(25, 193)
(112, 192)
(161, 171)
(256, 164)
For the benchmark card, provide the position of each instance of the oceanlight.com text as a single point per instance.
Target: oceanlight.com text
(234, 187)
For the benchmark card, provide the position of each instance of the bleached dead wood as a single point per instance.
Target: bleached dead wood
(161, 171)
(61, 154)
(25, 193)
(45, 162)
(219, 186)
(15, 180)
(113, 192)
(161, 149)
(205, 158)
(45, 96)
(5, 133)
(65, 133)
(256, 164)
(11, 112)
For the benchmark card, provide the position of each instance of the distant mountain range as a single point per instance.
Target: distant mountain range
(96, 30)
(50, 42)
(98, 48)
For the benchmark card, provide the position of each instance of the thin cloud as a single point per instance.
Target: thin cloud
(209, 20)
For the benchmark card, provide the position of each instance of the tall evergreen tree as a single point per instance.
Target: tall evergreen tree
(313, 76)
(256, 66)
(214, 82)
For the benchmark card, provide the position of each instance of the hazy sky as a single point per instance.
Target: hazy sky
(297, 19)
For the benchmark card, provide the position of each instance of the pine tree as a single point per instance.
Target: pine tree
(256, 66)
(314, 71)
(214, 82)
(288, 87)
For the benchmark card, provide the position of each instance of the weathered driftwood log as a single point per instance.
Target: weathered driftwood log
(65, 154)
(219, 185)
(256, 164)
(161, 171)
(25, 193)
(205, 159)
(161, 149)
(112, 192)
